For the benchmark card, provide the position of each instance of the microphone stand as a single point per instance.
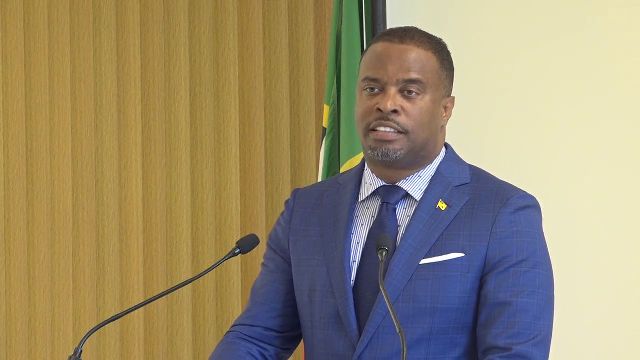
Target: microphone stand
(382, 255)
(243, 246)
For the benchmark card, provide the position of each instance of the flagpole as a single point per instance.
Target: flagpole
(378, 16)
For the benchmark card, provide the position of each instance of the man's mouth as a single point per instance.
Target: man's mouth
(385, 129)
(387, 126)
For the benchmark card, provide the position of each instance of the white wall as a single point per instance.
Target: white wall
(548, 98)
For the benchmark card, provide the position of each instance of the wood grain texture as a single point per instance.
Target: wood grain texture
(226, 163)
(15, 180)
(252, 134)
(179, 223)
(277, 105)
(154, 178)
(107, 175)
(138, 140)
(83, 177)
(204, 221)
(61, 173)
(37, 127)
(301, 69)
(3, 262)
(130, 182)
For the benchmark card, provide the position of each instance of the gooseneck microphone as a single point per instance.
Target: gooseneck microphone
(243, 246)
(382, 246)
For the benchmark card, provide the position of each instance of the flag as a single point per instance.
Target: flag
(341, 149)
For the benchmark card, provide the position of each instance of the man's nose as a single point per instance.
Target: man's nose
(388, 103)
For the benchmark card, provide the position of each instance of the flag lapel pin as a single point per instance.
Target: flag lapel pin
(441, 205)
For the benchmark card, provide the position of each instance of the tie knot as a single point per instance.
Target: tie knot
(391, 194)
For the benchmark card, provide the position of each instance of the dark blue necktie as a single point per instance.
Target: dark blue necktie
(365, 287)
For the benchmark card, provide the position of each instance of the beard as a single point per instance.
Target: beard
(384, 154)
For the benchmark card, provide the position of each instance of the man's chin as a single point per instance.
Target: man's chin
(384, 154)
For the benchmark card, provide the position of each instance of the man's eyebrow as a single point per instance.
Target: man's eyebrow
(412, 81)
(369, 79)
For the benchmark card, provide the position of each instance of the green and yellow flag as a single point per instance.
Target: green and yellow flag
(341, 149)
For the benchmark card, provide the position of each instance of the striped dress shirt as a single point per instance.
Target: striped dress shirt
(369, 202)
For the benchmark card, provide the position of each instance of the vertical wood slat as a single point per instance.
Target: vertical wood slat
(107, 187)
(83, 176)
(226, 162)
(38, 177)
(139, 140)
(3, 243)
(277, 103)
(202, 128)
(301, 58)
(251, 118)
(130, 160)
(84, 171)
(61, 172)
(179, 188)
(154, 179)
(15, 180)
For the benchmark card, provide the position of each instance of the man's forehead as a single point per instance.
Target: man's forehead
(398, 56)
(403, 61)
(396, 50)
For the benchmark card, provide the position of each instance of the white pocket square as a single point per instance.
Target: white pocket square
(441, 258)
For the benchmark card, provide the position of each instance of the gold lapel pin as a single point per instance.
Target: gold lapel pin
(441, 205)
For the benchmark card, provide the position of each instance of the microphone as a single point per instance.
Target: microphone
(383, 244)
(243, 246)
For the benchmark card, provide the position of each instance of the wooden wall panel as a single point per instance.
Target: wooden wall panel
(3, 264)
(107, 187)
(38, 177)
(138, 140)
(226, 180)
(154, 175)
(204, 217)
(130, 182)
(83, 152)
(61, 175)
(178, 134)
(251, 118)
(301, 76)
(15, 180)
(277, 105)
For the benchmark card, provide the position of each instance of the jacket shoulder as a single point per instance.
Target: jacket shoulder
(486, 185)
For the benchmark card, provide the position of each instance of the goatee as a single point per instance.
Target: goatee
(384, 154)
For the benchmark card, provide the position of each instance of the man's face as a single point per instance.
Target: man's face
(401, 106)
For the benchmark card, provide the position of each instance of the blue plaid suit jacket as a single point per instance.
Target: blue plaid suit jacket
(496, 302)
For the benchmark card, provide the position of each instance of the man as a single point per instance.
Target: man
(469, 273)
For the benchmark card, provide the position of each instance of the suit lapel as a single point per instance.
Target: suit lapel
(338, 212)
(427, 223)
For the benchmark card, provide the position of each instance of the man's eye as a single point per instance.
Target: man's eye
(410, 92)
(371, 90)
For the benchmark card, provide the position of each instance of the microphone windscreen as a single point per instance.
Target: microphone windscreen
(383, 241)
(247, 243)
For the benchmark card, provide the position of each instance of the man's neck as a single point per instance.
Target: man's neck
(392, 173)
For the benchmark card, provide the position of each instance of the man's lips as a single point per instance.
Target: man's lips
(386, 125)
(385, 130)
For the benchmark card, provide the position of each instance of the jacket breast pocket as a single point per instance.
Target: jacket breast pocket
(457, 266)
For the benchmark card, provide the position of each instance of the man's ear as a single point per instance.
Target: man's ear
(447, 108)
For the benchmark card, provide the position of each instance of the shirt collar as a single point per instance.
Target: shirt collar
(414, 184)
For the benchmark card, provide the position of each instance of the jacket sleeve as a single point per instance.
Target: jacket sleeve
(515, 313)
(269, 327)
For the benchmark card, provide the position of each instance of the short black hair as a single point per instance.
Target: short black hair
(411, 35)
